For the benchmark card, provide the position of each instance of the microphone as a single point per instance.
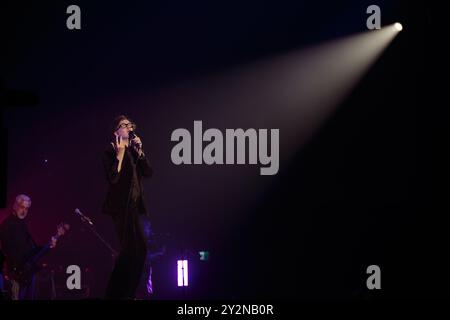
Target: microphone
(83, 217)
(131, 136)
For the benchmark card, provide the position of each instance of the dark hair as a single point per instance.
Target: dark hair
(116, 122)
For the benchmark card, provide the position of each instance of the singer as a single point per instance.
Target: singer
(126, 165)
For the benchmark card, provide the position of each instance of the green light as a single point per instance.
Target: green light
(204, 255)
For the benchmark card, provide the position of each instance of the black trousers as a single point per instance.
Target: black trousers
(129, 264)
(145, 287)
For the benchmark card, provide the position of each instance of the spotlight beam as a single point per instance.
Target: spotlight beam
(295, 92)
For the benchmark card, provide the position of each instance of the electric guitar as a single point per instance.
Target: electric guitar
(23, 273)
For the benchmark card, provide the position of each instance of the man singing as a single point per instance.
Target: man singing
(125, 165)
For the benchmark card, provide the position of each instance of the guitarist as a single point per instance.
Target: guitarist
(17, 243)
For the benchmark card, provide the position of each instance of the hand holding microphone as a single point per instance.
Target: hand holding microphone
(136, 142)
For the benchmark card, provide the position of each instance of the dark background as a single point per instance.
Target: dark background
(365, 190)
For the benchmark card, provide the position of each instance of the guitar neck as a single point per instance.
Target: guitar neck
(42, 251)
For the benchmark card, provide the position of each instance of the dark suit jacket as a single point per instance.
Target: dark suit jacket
(120, 183)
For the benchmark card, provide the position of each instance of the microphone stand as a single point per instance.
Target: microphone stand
(90, 225)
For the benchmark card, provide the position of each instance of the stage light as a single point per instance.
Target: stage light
(398, 26)
(182, 266)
